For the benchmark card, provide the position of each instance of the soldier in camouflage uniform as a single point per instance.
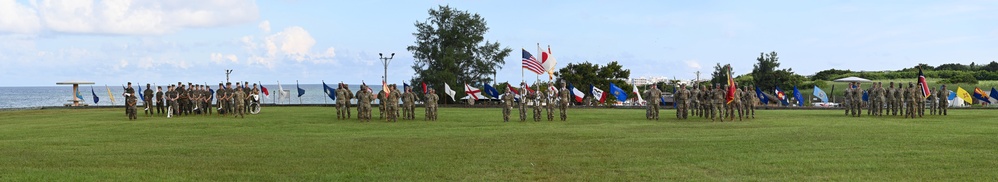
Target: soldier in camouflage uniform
(240, 102)
(889, 99)
(654, 99)
(706, 104)
(382, 103)
(563, 97)
(130, 102)
(535, 97)
(549, 102)
(147, 101)
(943, 96)
(911, 101)
(160, 109)
(717, 103)
(919, 101)
(682, 99)
(408, 104)
(364, 98)
(431, 105)
(847, 99)
(898, 100)
(879, 96)
(748, 102)
(692, 99)
(340, 98)
(735, 106)
(933, 102)
(393, 106)
(507, 101)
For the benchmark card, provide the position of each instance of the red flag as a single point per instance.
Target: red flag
(424, 87)
(530, 90)
(265, 91)
(730, 96)
(925, 86)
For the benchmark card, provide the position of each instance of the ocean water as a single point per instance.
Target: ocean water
(47, 96)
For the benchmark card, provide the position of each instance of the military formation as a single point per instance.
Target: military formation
(908, 102)
(389, 108)
(192, 99)
(706, 103)
(539, 101)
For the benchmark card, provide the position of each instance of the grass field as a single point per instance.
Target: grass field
(308, 144)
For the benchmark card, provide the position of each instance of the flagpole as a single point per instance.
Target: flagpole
(325, 90)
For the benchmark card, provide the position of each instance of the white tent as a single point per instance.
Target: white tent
(852, 79)
(957, 102)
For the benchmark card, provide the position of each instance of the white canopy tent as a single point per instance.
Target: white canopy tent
(852, 79)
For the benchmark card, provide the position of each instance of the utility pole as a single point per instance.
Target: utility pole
(385, 61)
(227, 72)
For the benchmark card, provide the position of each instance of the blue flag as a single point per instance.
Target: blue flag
(618, 92)
(798, 97)
(405, 86)
(994, 93)
(95, 94)
(141, 96)
(300, 91)
(762, 97)
(491, 91)
(952, 95)
(211, 95)
(820, 94)
(866, 96)
(329, 91)
(78, 95)
(782, 96)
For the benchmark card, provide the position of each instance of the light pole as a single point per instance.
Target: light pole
(227, 72)
(385, 61)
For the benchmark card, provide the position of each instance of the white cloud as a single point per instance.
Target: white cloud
(293, 43)
(265, 26)
(693, 64)
(123, 17)
(18, 18)
(220, 58)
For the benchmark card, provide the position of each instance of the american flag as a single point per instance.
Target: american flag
(531, 63)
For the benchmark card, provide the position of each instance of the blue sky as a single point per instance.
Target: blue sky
(116, 41)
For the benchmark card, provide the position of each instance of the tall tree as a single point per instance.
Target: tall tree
(449, 49)
(766, 74)
(720, 74)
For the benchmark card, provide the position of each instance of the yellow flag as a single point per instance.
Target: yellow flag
(962, 94)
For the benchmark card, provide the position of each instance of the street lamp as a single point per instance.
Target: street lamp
(385, 61)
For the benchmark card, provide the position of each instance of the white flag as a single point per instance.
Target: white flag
(449, 91)
(638, 94)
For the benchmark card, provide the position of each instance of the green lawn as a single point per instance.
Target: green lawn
(308, 144)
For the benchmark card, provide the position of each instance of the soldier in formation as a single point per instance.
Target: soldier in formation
(919, 101)
(682, 102)
(910, 101)
(890, 100)
(507, 100)
(341, 101)
(408, 104)
(393, 102)
(748, 102)
(879, 95)
(364, 98)
(735, 106)
(240, 101)
(933, 102)
(382, 103)
(549, 102)
(943, 96)
(654, 100)
(160, 109)
(717, 103)
(431, 105)
(692, 99)
(147, 100)
(536, 99)
(130, 101)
